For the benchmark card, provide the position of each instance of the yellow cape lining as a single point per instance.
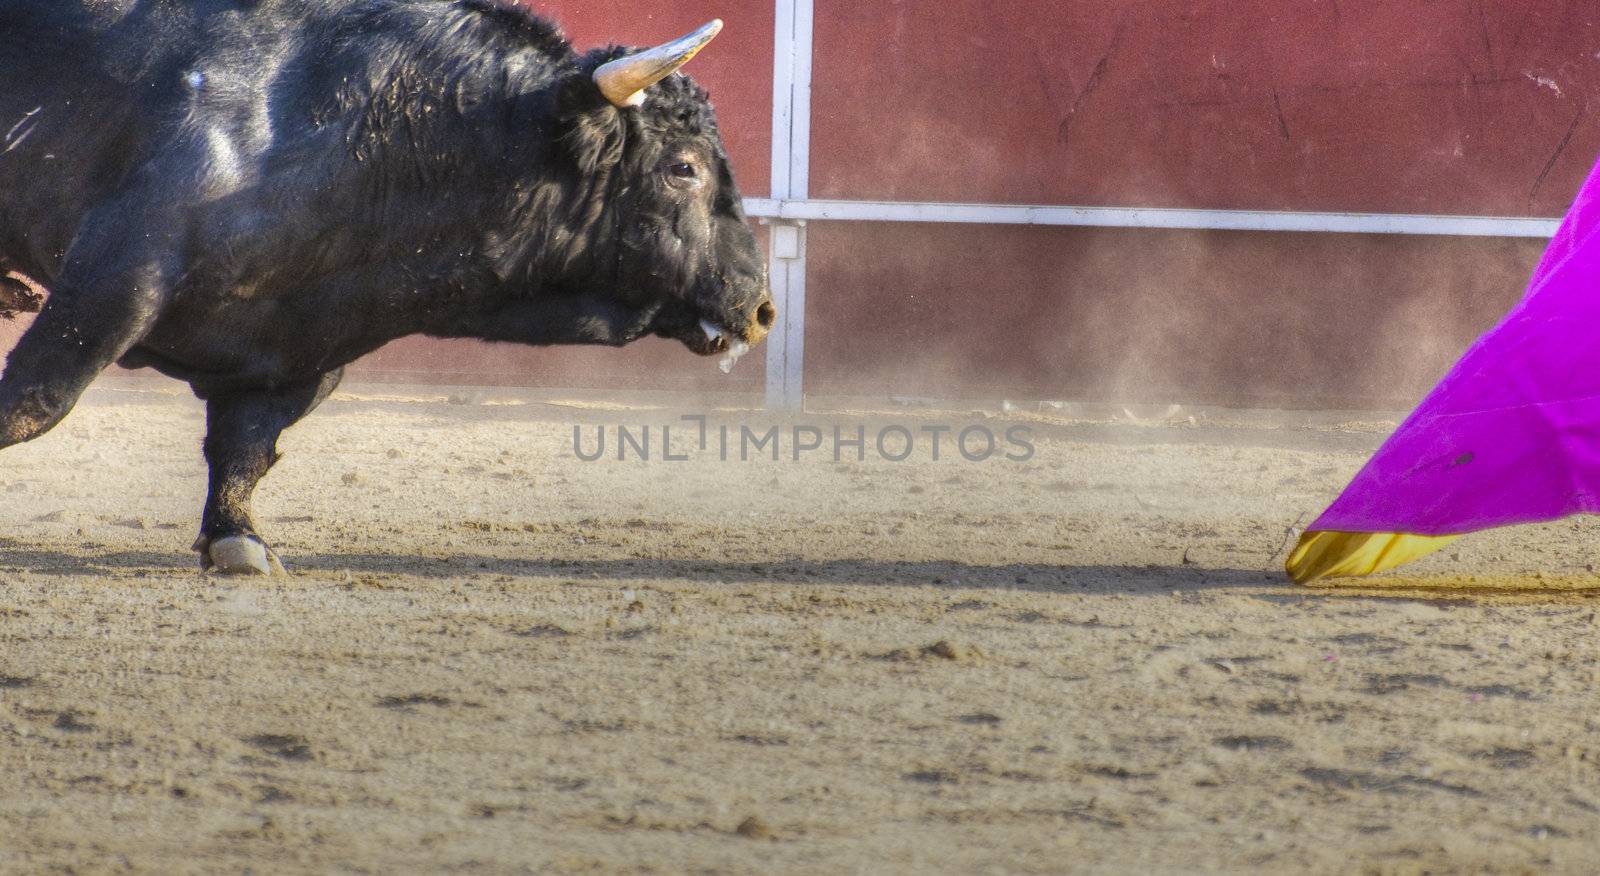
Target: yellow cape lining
(1328, 554)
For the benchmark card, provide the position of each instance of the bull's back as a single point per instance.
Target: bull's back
(234, 117)
(66, 131)
(92, 89)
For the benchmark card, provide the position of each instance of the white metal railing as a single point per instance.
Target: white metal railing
(802, 209)
(791, 166)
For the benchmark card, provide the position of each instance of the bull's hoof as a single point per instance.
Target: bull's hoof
(242, 555)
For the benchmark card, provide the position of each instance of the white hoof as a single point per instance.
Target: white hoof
(242, 555)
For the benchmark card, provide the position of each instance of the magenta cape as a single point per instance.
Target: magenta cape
(1511, 435)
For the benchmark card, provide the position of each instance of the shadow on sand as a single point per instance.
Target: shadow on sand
(953, 575)
(1149, 580)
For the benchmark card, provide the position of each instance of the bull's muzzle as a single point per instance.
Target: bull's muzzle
(732, 345)
(761, 322)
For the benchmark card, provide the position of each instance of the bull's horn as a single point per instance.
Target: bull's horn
(624, 80)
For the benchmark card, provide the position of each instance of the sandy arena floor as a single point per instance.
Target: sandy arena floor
(493, 657)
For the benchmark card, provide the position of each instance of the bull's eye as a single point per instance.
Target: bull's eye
(681, 170)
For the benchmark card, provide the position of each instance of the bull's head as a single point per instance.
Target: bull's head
(652, 186)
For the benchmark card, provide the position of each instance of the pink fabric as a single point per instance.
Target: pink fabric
(1512, 433)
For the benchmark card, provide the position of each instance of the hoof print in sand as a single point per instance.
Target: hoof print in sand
(282, 746)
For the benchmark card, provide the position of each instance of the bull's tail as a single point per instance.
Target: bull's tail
(18, 295)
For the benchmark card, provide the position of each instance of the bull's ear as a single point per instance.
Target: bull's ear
(590, 131)
(624, 80)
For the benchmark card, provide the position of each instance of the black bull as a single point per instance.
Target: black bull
(249, 195)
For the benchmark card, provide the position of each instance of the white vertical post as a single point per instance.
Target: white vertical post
(791, 169)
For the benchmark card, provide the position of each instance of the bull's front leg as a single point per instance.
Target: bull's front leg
(109, 293)
(79, 332)
(242, 429)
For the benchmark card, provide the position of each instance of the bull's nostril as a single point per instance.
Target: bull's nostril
(766, 314)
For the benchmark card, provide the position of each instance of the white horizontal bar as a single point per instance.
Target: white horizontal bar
(1152, 217)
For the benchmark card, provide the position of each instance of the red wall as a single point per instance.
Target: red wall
(1451, 106)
